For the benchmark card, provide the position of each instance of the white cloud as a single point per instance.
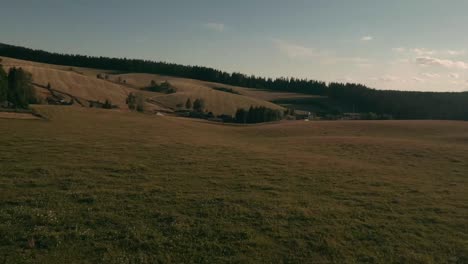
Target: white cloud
(454, 75)
(218, 27)
(430, 52)
(456, 52)
(399, 50)
(417, 79)
(430, 75)
(386, 78)
(430, 61)
(367, 38)
(296, 51)
(423, 51)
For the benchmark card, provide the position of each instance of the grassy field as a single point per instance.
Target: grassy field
(97, 186)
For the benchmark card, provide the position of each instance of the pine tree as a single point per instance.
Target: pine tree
(131, 101)
(20, 89)
(140, 102)
(3, 85)
(199, 105)
(188, 104)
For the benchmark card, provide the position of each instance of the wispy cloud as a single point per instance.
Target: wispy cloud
(454, 75)
(399, 50)
(430, 61)
(346, 79)
(456, 52)
(423, 51)
(429, 52)
(417, 79)
(430, 75)
(386, 78)
(367, 38)
(358, 61)
(218, 27)
(294, 51)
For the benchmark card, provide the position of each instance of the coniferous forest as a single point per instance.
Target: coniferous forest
(16, 90)
(398, 104)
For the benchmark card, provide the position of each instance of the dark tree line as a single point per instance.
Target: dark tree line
(399, 104)
(257, 115)
(16, 90)
(164, 68)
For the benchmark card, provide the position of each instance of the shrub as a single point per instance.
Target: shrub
(164, 87)
(188, 104)
(199, 105)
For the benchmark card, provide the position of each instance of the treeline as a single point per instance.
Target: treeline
(16, 90)
(257, 115)
(399, 104)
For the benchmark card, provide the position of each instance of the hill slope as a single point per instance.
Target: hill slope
(83, 84)
(398, 104)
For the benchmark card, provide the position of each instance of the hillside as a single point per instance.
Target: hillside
(83, 84)
(99, 186)
(218, 102)
(394, 103)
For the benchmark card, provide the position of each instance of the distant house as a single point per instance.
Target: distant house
(304, 115)
(352, 116)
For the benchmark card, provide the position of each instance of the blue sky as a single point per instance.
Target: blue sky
(400, 44)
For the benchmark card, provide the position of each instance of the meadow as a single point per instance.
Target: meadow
(108, 186)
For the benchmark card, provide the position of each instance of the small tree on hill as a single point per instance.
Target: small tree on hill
(188, 104)
(199, 105)
(140, 102)
(131, 101)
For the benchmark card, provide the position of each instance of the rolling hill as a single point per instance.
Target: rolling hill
(343, 96)
(83, 85)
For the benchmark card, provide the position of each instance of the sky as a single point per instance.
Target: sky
(419, 45)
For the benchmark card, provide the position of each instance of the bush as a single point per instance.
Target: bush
(140, 102)
(199, 105)
(107, 104)
(164, 87)
(131, 101)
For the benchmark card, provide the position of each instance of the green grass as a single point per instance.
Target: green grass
(97, 186)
